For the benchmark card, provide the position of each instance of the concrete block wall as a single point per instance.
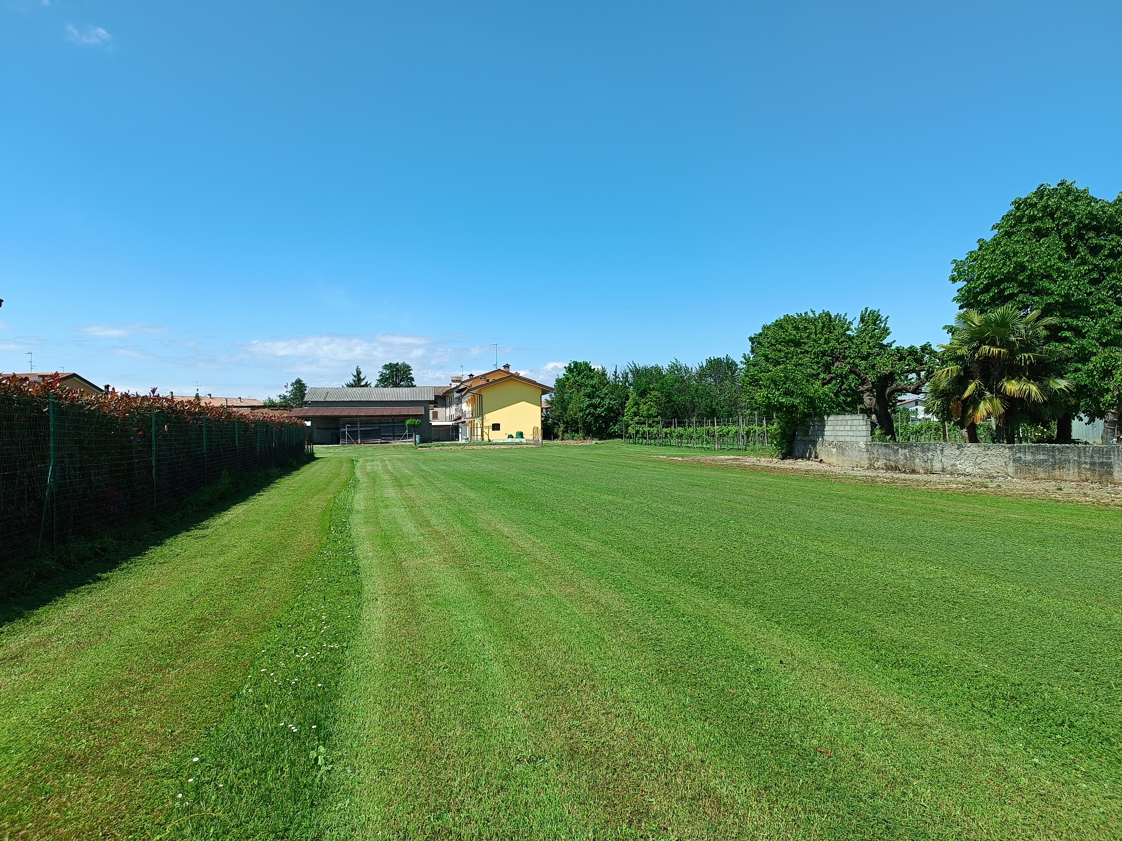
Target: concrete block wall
(1051, 462)
(841, 428)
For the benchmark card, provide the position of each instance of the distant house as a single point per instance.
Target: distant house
(367, 415)
(238, 404)
(913, 403)
(498, 405)
(69, 380)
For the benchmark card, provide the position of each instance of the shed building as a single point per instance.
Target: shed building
(367, 415)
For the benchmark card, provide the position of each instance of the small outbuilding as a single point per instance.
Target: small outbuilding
(367, 415)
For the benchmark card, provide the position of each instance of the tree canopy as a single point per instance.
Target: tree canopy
(1059, 250)
(883, 371)
(585, 402)
(395, 375)
(811, 364)
(789, 371)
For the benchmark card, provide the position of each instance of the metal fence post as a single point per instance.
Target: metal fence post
(153, 462)
(237, 450)
(206, 475)
(50, 476)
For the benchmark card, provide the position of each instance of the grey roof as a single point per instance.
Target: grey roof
(368, 395)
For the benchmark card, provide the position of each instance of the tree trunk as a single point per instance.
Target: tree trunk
(1110, 424)
(886, 422)
(972, 433)
(1010, 433)
(1063, 429)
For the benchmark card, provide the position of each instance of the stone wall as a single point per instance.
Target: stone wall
(1059, 462)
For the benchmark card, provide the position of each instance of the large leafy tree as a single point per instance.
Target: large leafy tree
(358, 380)
(1002, 365)
(812, 364)
(789, 371)
(395, 375)
(719, 388)
(586, 403)
(883, 371)
(1059, 250)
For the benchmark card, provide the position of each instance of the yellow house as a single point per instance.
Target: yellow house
(499, 405)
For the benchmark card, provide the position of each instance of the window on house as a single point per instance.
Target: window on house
(434, 415)
(494, 427)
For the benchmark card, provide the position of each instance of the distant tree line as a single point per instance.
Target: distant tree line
(1037, 341)
(392, 375)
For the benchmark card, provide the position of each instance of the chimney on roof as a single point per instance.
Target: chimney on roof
(457, 380)
(506, 367)
(107, 388)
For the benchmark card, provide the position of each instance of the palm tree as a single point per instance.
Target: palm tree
(998, 365)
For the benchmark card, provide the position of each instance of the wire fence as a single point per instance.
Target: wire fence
(70, 469)
(753, 433)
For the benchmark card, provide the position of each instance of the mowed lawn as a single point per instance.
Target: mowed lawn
(580, 642)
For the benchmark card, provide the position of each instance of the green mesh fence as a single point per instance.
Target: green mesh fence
(70, 470)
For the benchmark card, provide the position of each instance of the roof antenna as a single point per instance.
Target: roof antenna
(496, 344)
(31, 356)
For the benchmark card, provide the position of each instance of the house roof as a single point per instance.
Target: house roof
(498, 375)
(229, 402)
(357, 411)
(63, 377)
(368, 395)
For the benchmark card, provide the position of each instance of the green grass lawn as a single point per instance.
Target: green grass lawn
(579, 642)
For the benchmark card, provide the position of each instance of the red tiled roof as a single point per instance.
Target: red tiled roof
(498, 375)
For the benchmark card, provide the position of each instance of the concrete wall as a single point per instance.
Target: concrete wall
(842, 428)
(1059, 462)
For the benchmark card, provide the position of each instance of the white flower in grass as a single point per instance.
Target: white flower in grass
(191, 780)
(196, 759)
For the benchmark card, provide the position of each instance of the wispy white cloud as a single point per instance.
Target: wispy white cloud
(547, 373)
(92, 36)
(326, 358)
(118, 331)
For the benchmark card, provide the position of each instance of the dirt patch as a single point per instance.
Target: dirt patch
(1087, 493)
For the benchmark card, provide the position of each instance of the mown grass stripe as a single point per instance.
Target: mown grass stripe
(263, 771)
(105, 690)
(631, 595)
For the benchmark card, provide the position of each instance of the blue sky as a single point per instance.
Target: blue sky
(236, 194)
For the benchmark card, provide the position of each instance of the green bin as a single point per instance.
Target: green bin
(517, 434)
